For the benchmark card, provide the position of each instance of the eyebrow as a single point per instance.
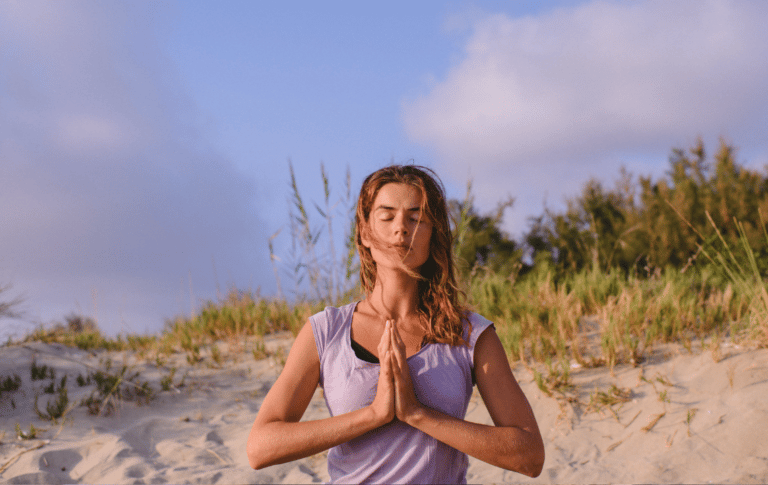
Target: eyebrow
(388, 208)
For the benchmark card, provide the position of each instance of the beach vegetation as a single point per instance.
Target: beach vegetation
(317, 270)
(605, 400)
(83, 381)
(731, 374)
(622, 268)
(83, 332)
(556, 381)
(652, 422)
(237, 315)
(9, 383)
(50, 388)
(57, 408)
(689, 417)
(111, 388)
(259, 350)
(662, 394)
(40, 372)
(216, 355)
(26, 435)
(167, 381)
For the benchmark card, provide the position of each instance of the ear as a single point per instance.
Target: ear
(364, 236)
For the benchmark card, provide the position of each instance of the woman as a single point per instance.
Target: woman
(397, 368)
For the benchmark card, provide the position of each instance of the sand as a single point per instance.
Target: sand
(688, 417)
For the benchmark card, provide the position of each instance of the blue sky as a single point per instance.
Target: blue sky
(144, 145)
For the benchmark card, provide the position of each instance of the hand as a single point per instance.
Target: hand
(383, 405)
(406, 403)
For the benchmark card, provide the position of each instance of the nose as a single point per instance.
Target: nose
(401, 226)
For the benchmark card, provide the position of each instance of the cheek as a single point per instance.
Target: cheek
(426, 236)
(365, 235)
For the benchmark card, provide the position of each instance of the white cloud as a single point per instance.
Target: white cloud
(539, 104)
(109, 188)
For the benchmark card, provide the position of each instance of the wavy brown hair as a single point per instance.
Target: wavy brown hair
(440, 299)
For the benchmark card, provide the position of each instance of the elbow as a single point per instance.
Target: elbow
(528, 461)
(253, 457)
(257, 461)
(530, 467)
(535, 463)
(534, 470)
(258, 455)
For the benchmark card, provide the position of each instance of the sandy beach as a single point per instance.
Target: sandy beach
(698, 416)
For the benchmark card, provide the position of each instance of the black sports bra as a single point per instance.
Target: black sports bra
(363, 354)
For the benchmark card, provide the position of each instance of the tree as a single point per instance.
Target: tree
(598, 229)
(479, 241)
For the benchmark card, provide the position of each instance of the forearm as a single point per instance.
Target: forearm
(508, 447)
(276, 442)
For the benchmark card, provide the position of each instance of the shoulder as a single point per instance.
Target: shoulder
(329, 324)
(332, 316)
(474, 326)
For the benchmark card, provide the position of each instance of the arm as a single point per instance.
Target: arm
(514, 443)
(277, 435)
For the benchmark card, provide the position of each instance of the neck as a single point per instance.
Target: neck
(395, 295)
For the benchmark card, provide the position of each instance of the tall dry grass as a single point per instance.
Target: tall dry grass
(599, 318)
(592, 317)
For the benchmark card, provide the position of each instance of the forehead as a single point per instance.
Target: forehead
(398, 195)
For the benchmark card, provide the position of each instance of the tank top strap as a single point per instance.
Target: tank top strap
(328, 327)
(479, 325)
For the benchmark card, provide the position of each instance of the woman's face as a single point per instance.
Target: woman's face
(401, 232)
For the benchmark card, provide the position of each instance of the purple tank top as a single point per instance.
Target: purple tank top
(396, 452)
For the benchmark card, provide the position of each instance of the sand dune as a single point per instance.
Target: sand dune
(686, 418)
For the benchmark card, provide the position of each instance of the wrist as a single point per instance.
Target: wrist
(375, 418)
(416, 416)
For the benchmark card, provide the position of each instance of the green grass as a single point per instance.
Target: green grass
(236, 316)
(114, 387)
(605, 400)
(538, 317)
(26, 435)
(57, 408)
(9, 384)
(90, 339)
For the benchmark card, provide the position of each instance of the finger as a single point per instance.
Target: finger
(393, 340)
(398, 340)
(385, 335)
(386, 340)
(386, 375)
(395, 334)
(398, 356)
(385, 366)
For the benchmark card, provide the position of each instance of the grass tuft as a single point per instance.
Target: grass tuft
(26, 435)
(56, 409)
(9, 384)
(601, 400)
